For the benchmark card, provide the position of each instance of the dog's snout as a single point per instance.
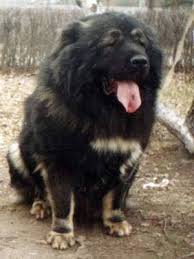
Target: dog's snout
(139, 61)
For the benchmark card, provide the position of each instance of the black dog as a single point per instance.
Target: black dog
(88, 122)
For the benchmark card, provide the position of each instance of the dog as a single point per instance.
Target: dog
(88, 123)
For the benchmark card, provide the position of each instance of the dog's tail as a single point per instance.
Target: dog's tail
(20, 178)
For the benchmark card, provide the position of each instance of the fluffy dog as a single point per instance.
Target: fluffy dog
(88, 122)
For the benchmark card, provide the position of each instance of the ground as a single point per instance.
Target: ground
(161, 204)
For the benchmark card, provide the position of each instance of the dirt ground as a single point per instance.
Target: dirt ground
(161, 202)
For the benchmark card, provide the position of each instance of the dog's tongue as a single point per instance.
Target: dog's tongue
(128, 94)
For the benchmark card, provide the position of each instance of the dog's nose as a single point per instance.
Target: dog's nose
(139, 61)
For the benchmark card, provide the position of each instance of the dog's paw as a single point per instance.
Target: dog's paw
(40, 209)
(60, 241)
(119, 229)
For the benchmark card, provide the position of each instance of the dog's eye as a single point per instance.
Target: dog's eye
(111, 38)
(138, 36)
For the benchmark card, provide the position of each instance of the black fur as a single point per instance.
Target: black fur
(70, 108)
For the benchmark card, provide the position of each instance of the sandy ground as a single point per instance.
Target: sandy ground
(162, 216)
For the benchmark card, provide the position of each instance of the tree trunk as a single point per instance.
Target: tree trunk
(183, 130)
(190, 119)
(177, 125)
(150, 4)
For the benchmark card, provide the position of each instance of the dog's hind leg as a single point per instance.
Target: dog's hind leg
(28, 185)
(20, 178)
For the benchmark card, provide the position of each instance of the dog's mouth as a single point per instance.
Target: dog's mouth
(127, 93)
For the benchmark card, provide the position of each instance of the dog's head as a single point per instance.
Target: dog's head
(110, 55)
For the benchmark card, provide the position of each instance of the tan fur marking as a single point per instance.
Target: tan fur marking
(60, 241)
(116, 144)
(46, 96)
(136, 153)
(51, 102)
(58, 109)
(40, 209)
(41, 166)
(107, 205)
(122, 228)
(68, 221)
(119, 229)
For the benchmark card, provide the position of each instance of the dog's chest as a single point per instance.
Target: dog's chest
(128, 148)
(111, 161)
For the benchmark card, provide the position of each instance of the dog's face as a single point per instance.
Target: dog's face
(124, 64)
(113, 54)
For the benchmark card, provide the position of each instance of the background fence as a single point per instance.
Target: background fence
(27, 35)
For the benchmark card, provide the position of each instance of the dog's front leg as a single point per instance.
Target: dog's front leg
(113, 217)
(61, 197)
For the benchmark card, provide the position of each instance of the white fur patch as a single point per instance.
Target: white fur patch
(16, 158)
(136, 153)
(43, 171)
(123, 169)
(119, 145)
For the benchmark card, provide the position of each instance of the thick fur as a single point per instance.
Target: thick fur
(75, 136)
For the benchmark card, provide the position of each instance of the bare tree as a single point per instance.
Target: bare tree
(190, 119)
(179, 127)
(150, 4)
(142, 3)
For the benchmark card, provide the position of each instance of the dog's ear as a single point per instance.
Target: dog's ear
(64, 64)
(69, 35)
(73, 32)
(111, 38)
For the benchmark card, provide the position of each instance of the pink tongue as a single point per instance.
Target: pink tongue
(128, 94)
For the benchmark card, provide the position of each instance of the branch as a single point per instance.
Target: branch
(179, 51)
(176, 126)
(167, 117)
